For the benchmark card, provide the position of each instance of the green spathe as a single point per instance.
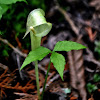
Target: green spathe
(37, 20)
(36, 17)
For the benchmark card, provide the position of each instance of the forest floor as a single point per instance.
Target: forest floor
(74, 20)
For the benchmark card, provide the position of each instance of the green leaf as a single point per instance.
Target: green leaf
(58, 61)
(0, 12)
(5, 53)
(96, 78)
(0, 33)
(37, 54)
(91, 87)
(68, 46)
(37, 4)
(3, 9)
(10, 1)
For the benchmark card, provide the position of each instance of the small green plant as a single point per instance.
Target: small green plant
(4, 5)
(96, 78)
(97, 47)
(91, 87)
(7, 9)
(39, 27)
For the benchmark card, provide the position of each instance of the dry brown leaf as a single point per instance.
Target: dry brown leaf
(92, 35)
(73, 98)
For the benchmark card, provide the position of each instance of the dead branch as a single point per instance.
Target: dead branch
(87, 23)
(90, 57)
(16, 50)
(74, 28)
(26, 96)
(4, 66)
(77, 72)
(67, 18)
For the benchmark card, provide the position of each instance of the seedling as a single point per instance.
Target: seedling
(38, 27)
(91, 87)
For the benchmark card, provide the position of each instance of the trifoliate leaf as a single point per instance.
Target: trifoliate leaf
(68, 46)
(37, 54)
(58, 61)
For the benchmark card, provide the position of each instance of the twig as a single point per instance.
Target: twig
(16, 50)
(23, 94)
(26, 96)
(53, 79)
(74, 28)
(90, 70)
(19, 64)
(90, 57)
(86, 24)
(3, 66)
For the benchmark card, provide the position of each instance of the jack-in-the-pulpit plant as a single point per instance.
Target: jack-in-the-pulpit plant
(39, 27)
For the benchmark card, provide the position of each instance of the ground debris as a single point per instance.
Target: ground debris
(77, 72)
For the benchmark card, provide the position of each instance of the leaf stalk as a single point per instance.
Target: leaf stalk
(45, 80)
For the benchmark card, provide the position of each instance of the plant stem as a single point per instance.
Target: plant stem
(45, 80)
(35, 43)
(37, 79)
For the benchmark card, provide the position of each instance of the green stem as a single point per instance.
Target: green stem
(37, 79)
(45, 80)
(35, 43)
